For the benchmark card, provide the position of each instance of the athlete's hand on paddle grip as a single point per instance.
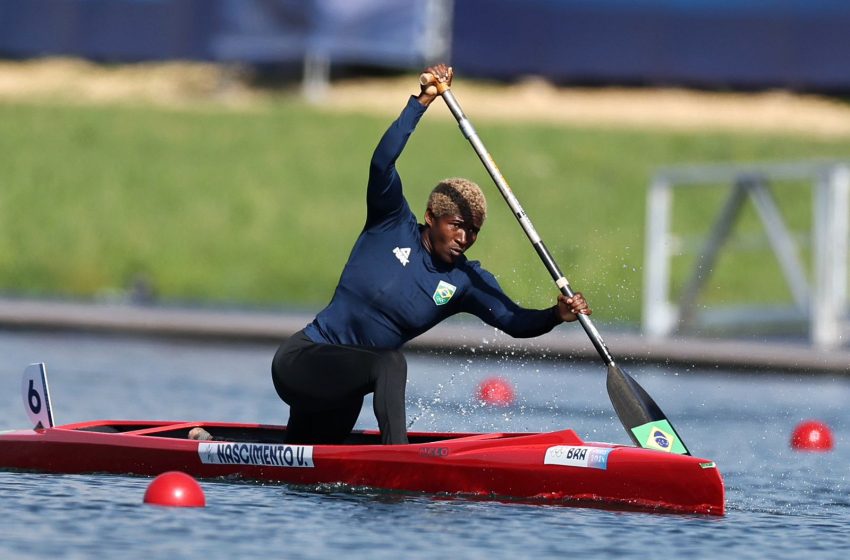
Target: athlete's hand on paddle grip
(434, 81)
(569, 308)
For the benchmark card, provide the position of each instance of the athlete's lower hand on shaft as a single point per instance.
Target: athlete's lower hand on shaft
(569, 308)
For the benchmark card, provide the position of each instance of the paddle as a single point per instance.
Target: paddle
(644, 421)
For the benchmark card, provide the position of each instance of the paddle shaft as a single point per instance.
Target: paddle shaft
(524, 221)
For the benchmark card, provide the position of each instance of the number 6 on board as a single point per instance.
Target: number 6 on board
(37, 396)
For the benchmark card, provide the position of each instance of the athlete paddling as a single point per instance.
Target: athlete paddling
(401, 279)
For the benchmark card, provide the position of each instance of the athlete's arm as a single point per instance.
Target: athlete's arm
(487, 301)
(384, 193)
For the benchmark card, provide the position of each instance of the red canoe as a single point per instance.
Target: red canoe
(554, 467)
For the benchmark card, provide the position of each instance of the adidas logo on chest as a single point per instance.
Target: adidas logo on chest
(402, 254)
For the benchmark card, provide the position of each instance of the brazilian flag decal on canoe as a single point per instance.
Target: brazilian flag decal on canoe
(659, 435)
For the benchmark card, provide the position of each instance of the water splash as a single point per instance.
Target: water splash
(426, 407)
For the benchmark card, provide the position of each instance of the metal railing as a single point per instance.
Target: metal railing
(819, 295)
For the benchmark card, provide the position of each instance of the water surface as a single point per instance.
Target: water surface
(781, 503)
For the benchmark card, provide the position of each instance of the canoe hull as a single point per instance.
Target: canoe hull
(556, 466)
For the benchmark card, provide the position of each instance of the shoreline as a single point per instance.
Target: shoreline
(456, 336)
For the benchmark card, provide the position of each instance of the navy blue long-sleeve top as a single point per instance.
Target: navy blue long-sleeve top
(392, 289)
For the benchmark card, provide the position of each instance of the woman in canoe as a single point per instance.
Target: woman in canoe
(401, 279)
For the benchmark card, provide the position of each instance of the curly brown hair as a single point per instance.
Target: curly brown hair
(457, 196)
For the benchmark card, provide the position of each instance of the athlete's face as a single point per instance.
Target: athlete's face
(450, 236)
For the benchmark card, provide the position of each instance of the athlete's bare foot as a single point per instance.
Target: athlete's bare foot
(199, 434)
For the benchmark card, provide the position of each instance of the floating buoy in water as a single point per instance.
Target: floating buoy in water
(496, 391)
(812, 435)
(175, 488)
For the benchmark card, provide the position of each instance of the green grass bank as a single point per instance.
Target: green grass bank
(261, 207)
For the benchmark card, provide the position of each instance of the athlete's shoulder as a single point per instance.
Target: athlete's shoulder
(401, 218)
(470, 267)
(476, 275)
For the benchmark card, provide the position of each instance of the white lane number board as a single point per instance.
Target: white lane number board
(36, 396)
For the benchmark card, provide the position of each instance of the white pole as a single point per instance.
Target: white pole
(659, 315)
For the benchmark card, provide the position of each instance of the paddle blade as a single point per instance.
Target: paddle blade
(645, 423)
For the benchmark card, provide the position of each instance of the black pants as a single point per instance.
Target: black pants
(324, 386)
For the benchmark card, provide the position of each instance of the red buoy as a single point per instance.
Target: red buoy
(812, 435)
(175, 488)
(496, 391)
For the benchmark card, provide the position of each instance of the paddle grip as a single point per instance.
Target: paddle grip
(428, 79)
